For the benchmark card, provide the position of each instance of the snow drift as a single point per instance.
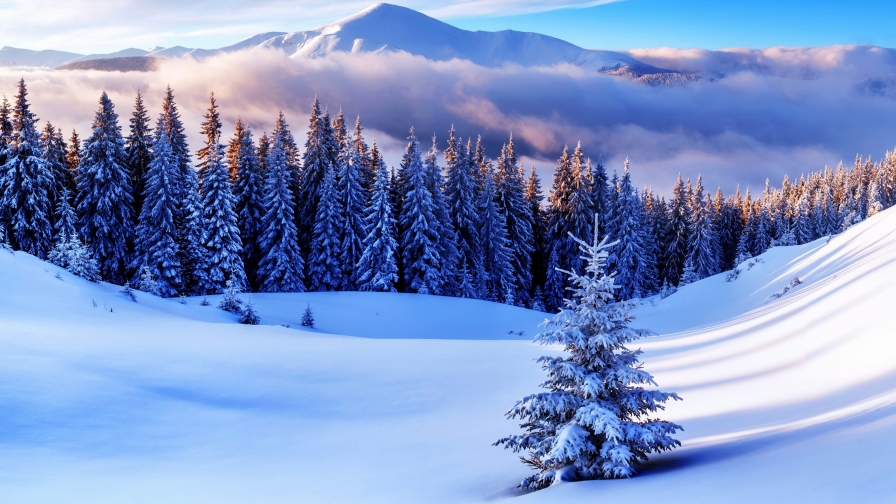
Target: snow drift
(397, 398)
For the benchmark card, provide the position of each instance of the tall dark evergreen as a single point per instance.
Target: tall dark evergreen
(157, 252)
(26, 184)
(419, 238)
(53, 151)
(351, 174)
(105, 199)
(461, 193)
(540, 250)
(435, 183)
(245, 171)
(281, 266)
(677, 240)
(138, 150)
(315, 161)
(511, 200)
(73, 155)
(628, 256)
(325, 269)
(223, 247)
(495, 278)
(378, 266)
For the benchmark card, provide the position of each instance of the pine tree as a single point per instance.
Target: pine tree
(351, 174)
(677, 241)
(26, 184)
(628, 257)
(460, 197)
(281, 265)
(105, 204)
(596, 419)
(245, 171)
(66, 219)
(553, 284)
(419, 238)
(494, 247)
(315, 161)
(378, 265)
(223, 247)
(704, 241)
(137, 150)
(366, 166)
(71, 254)
(534, 196)
(53, 151)
(511, 200)
(444, 230)
(157, 257)
(325, 267)
(73, 156)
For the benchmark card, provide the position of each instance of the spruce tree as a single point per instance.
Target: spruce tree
(325, 266)
(66, 219)
(105, 199)
(53, 151)
(315, 161)
(157, 234)
(444, 230)
(245, 171)
(678, 238)
(223, 247)
(534, 196)
(597, 418)
(419, 238)
(378, 266)
(511, 200)
(73, 155)
(631, 271)
(350, 192)
(137, 150)
(704, 241)
(26, 184)
(281, 266)
(494, 247)
(460, 197)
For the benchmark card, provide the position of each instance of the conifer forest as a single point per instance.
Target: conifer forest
(131, 203)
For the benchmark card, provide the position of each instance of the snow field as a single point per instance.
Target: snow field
(397, 398)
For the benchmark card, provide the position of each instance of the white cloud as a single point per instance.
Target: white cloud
(741, 129)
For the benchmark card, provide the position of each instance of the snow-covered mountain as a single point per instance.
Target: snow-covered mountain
(789, 390)
(386, 27)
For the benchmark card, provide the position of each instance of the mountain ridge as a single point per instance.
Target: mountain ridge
(390, 28)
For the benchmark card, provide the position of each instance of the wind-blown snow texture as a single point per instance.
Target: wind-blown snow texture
(397, 397)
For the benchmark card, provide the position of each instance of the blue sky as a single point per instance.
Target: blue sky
(709, 25)
(75, 26)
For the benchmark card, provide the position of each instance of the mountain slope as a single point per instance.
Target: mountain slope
(386, 27)
(397, 398)
(12, 56)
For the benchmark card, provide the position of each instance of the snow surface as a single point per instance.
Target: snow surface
(397, 398)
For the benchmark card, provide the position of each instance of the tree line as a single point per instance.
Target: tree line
(267, 216)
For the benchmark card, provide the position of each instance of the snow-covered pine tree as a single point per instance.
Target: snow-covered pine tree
(315, 161)
(73, 155)
(494, 247)
(677, 241)
(704, 241)
(534, 197)
(66, 219)
(26, 184)
(596, 419)
(157, 257)
(378, 265)
(511, 200)
(553, 284)
(6, 130)
(419, 238)
(460, 196)
(223, 247)
(445, 231)
(71, 254)
(571, 207)
(137, 149)
(281, 266)
(325, 267)
(245, 171)
(105, 199)
(53, 148)
(628, 258)
(366, 165)
(352, 197)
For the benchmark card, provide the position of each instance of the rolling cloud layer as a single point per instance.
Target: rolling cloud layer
(776, 111)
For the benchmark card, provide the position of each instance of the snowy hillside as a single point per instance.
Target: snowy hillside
(397, 398)
(386, 27)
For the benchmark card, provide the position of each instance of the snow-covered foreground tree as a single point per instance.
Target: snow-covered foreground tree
(595, 420)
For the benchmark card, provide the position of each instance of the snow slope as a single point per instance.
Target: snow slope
(396, 398)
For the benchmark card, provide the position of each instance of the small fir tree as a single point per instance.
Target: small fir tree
(595, 420)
